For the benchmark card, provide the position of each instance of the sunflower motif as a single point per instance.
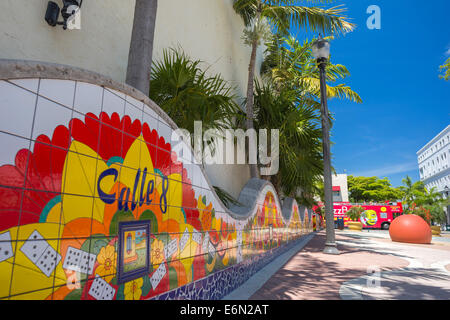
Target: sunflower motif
(133, 289)
(157, 254)
(106, 259)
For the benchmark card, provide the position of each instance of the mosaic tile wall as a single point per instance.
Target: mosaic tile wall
(77, 161)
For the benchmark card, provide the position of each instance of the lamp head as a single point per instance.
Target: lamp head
(321, 49)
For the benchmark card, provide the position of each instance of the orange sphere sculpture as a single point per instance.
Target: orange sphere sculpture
(410, 228)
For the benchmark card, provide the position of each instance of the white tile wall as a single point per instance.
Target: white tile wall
(152, 122)
(49, 115)
(10, 145)
(196, 176)
(53, 107)
(133, 112)
(165, 131)
(60, 91)
(181, 148)
(17, 107)
(134, 102)
(189, 171)
(204, 184)
(29, 84)
(88, 98)
(113, 103)
(150, 112)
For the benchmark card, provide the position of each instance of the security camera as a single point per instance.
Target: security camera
(68, 12)
(52, 14)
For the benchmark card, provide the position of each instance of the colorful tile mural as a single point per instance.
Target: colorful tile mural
(80, 161)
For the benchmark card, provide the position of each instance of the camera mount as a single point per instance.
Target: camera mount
(68, 12)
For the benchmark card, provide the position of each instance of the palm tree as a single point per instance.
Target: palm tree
(287, 102)
(411, 191)
(187, 94)
(290, 63)
(141, 46)
(429, 204)
(299, 138)
(259, 15)
(428, 197)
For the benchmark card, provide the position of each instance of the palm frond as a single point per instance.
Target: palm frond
(340, 91)
(246, 9)
(187, 93)
(329, 21)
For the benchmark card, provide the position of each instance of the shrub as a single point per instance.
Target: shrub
(354, 213)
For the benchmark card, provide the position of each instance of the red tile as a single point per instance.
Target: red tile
(10, 207)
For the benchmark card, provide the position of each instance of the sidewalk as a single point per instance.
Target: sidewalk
(405, 271)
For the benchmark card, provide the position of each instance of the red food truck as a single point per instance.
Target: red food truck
(375, 215)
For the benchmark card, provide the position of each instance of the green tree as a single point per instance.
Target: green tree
(446, 70)
(372, 189)
(437, 213)
(428, 197)
(428, 204)
(411, 191)
(260, 16)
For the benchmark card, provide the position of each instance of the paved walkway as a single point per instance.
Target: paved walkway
(245, 291)
(427, 276)
(370, 266)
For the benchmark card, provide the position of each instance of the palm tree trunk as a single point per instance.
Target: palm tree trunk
(250, 97)
(141, 46)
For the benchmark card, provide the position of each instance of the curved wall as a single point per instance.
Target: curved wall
(88, 164)
(207, 30)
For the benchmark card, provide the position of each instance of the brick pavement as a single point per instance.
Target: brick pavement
(310, 274)
(407, 271)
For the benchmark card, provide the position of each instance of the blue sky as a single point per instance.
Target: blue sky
(395, 70)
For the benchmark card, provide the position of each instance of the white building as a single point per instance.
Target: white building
(340, 187)
(434, 163)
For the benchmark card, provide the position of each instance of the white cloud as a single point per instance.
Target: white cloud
(448, 50)
(388, 170)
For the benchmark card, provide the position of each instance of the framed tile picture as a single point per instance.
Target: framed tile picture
(134, 250)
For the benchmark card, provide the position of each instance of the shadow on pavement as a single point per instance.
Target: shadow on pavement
(410, 284)
(310, 274)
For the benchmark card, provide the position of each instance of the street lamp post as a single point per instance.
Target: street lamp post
(321, 52)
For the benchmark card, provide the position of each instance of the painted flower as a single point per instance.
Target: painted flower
(133, 289)
(31, 189)
(107, 258)
(157, 254)
(205, 214)
(41, 170)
